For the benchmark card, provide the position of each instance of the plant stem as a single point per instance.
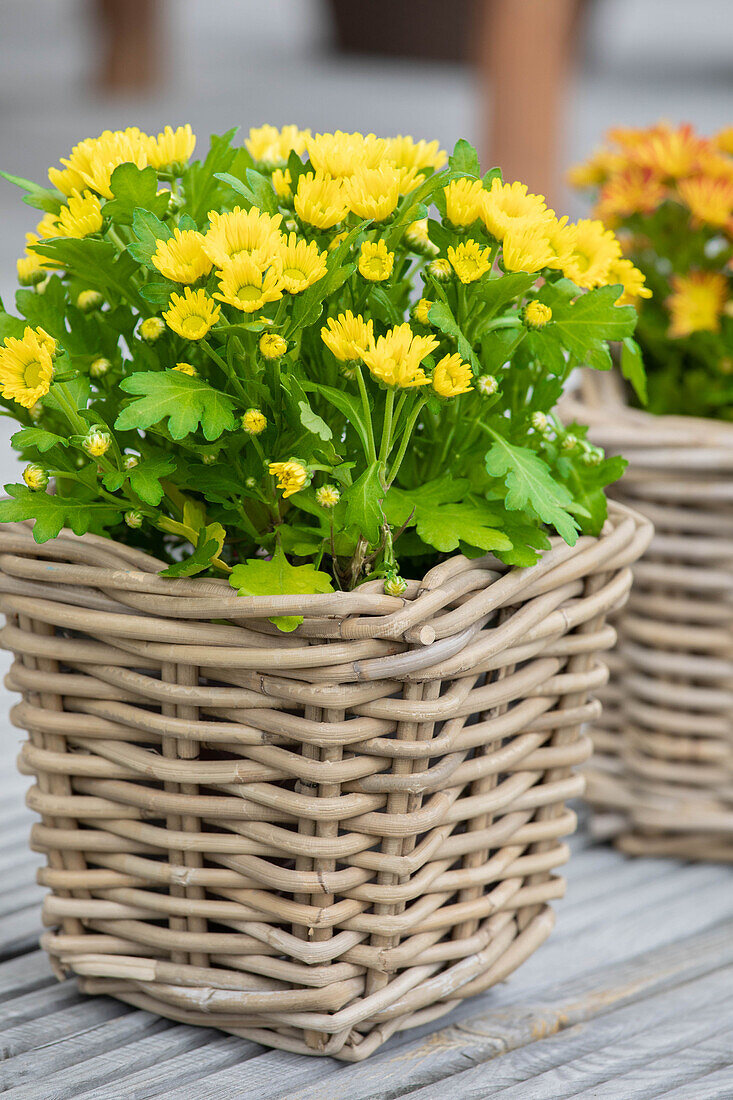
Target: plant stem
(386, 427)
(371, 447)
(406, 436)
(224, 366)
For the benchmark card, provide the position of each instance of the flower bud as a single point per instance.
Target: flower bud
(536, 314)
(89, 300)
(133, 520)
(130, 462)
(186, 368)
(99, 368)
(569, 443)
(209, 459)
(422, 311)
(539, 421)
(487, 385)
(35, 477)
(250, 483)
(272, 346)
(440, 269)
(394, 584)
(328, 496)
(96, 442)
(254, 421)
(30, 272)
(152, 329)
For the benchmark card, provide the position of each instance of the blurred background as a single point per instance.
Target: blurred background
(533, 83)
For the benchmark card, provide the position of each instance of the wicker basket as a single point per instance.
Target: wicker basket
(661, 778)
(311, 840)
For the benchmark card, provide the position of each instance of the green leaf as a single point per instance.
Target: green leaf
(145, 478)
(94, 262)
(277, 577)
(632, 367)
(383, 308)
(440, 315)
(184, 401)
(158, 292)
(531, 486)
(445, 513)
(134, 187)
(587, 484)
(39, 438)
(313, 422)
(363, 504)
(51, 513)
(42, 198)
(346, 403)
(210, 541)
(500, 290)
(148, 229)
(201, 176)
(257, 191)
(588, 320)
(464, 159)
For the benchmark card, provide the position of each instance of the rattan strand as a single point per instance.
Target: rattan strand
(316, 839)
(661, 777)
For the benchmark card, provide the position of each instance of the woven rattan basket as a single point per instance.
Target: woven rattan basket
(661, 778)
(311, 840)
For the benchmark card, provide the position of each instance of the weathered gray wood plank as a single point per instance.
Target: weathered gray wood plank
(712, 1086)
(25, 973)
(517, 1027)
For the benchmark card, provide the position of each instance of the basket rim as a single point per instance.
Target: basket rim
(93, 561)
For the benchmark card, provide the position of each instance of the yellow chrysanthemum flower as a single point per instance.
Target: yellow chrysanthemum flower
(469, 260)
(320, 200)
(336, 241)
(464, 199)
(30, 270)
(26, 367)
(710, 200)
(272, 147)
(560, 238)
(244, 285)
(254, 422)
(192, 314)
(631, 279)
(507, 203)
(242, 231)
(171, 148)
(282, 184)
(272, 346)
(595, 250)
(395, 358)
(375, 261)
(525, 247)
(415, 158)
(302, 264)
(94, 160)
(696, 303)
(81, 217)
(47, 227)
(292, 476)
(348, 337)
(422, 311)
(373, 192)
(66, 180)
(186, 368)
(182, 258)
(537, 314)
(452, 376)
(340, 154)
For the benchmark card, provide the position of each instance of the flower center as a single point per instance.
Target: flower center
(32, 374)
(295, 274)
(193, 326)
(248, 293)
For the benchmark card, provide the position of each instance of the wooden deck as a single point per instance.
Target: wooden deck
(631, 997)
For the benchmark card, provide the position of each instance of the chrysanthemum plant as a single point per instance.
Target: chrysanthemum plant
(306, 361)
(668, 193)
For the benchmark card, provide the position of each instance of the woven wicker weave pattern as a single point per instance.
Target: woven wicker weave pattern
(316, 839)
(662, 772)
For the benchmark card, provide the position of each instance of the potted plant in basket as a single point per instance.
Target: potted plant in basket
(307, 617)
(661, 775)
